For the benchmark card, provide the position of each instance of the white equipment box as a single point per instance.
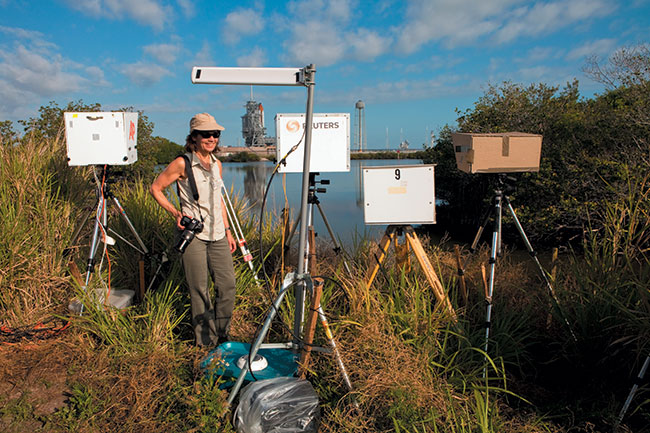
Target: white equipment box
(330, 142)
(399, 195)
(98, 138)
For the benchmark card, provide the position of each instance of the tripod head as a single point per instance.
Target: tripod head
(506, 184)
(311, 198)
(105, 176)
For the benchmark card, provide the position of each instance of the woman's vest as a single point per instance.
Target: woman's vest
(208, 207)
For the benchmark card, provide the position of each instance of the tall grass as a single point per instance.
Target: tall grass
(37, 216)
(413, 369)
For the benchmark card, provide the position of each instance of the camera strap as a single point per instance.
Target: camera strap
(189, 173)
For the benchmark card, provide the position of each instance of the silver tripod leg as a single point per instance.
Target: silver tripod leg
(95, 240)
(630, 396)
(90, 265)
(128, 223)
(337, 246)
(533, 254)
(494, 251)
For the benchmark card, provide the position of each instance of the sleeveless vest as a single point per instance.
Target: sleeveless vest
(208, 184)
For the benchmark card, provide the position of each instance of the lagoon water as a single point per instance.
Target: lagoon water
(342, 202)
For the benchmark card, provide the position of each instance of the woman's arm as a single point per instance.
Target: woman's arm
(174, 171)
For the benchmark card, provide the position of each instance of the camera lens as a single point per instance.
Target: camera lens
(186, 238)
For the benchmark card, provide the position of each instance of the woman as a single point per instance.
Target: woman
(209, 254)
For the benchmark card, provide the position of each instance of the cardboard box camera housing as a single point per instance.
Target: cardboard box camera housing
(497, 152)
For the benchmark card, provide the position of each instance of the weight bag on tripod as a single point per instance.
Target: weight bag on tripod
(278, 405)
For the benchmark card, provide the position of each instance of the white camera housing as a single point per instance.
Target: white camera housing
(100, 138)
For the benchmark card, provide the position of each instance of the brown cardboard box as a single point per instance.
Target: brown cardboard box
(497, 153)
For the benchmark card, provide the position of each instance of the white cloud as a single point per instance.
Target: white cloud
(463, 22)
(255, 58)
(203, 57)
(367, 45)
(96, 76)
(241, 23)
(319, 33)
(187, 6)
(403, 90)
(600, 46)
(544, 18)
(164, 53)
(148, 12)
(327, 10)
(144, 74)
(455, 22)
(32, 69)
(539, 54)
(315, 42)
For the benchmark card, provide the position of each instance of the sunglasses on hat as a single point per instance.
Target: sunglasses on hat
(208, 134)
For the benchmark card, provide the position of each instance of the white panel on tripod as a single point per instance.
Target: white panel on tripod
(98, 138)
(330, 142)
(399, 194)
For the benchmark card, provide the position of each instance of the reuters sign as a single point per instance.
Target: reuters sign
(330, 144)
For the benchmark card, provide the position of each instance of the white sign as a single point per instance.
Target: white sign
(330, 142)
(399, 195)
(99, 138)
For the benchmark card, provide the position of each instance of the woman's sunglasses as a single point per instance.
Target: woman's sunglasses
(208, 134)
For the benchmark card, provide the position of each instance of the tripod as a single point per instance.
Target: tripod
(312, 199)
(412, 242)
(104, 192)
(315, 287)
(495, 212)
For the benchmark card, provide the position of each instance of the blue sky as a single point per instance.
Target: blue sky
(412, 62)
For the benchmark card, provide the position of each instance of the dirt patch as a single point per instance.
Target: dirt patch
(33, 380)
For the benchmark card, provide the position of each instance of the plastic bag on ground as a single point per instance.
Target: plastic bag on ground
(278, 405)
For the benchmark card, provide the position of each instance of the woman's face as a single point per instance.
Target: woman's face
(206, 141)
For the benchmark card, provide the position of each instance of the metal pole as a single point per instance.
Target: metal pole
(302, 250)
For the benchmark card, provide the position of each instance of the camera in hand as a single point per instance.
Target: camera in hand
(191, 226)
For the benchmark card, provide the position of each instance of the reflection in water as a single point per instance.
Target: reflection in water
(359, 183)
(255, 178)
(342, 202)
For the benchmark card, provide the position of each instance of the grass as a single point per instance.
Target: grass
(412, 368)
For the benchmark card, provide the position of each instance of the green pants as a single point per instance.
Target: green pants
(203, 260)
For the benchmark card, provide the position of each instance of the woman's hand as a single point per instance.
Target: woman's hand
(231, 242)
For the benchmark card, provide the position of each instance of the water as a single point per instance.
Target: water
(342, 203)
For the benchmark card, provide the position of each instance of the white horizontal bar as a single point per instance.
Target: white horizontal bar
(259, 76)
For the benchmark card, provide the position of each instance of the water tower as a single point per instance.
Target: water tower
(360, 121)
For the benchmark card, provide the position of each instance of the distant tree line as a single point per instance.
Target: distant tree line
(592, 148)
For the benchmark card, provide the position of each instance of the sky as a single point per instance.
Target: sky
(413, 63)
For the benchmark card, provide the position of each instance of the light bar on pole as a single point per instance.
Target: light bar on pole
(246, 76)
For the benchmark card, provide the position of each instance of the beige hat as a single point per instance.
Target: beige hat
(204, 122)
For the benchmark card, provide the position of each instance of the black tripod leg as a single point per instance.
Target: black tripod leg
(479, 233)
(542, 272)
(337, 246)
